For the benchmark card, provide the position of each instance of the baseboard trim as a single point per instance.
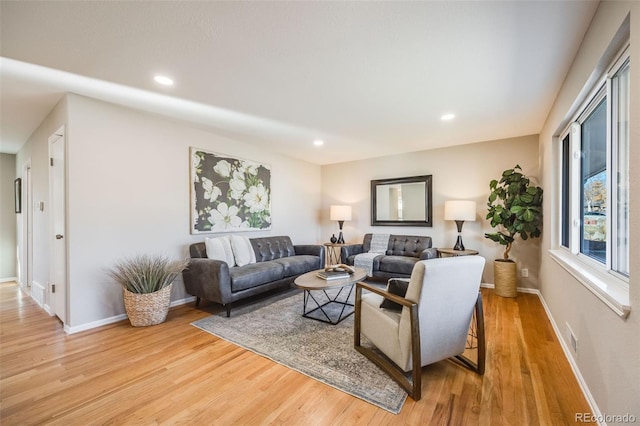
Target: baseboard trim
(116, 318)
(24, 287)
(94, 324)
(37, 293)
(519, 289)
(8, 280)
(572, 362)
(48, 309)
(182, 301)
(565, 348)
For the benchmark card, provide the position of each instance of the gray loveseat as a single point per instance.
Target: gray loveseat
(278, 263)
(403, 251)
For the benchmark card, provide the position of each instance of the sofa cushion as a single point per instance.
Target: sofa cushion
(376, 261)
(255, 275)
(242, 250)
(297, 265)
(408, 245)
(270, 248)
(220, 249)
(398, 264)
(401, 245)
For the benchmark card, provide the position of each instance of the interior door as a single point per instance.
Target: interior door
(58, 266)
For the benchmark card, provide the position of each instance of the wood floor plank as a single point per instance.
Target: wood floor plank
(174, 373)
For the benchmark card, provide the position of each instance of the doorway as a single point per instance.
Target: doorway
(58, 285)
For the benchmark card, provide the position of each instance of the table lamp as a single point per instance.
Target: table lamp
(340, 213)
(459, 210)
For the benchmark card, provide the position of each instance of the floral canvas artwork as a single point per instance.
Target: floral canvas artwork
(229, 194)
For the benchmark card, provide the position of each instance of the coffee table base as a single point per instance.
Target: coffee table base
(309, 299)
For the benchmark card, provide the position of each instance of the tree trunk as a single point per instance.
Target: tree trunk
(506, 251)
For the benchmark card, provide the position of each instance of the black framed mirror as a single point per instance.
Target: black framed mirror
(401, 201)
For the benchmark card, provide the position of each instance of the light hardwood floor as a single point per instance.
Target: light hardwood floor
(174, 373)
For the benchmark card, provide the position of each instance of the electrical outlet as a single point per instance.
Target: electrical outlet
(525, 273)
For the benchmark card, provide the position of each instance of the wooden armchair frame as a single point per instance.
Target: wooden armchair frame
(413, 387)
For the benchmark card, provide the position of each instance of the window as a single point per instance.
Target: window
(620, 120)
(593, 183)
(594, 179)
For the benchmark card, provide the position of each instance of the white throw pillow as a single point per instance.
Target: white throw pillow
(242, 250)
(220, 249)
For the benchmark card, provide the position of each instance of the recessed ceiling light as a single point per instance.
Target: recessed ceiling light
(165, 81)
(318, 142)
(447, 117)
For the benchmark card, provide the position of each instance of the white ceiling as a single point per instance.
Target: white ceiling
(369, 78)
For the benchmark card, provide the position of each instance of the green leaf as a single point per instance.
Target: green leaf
(514, 205)
(528, 215)
(526, 198)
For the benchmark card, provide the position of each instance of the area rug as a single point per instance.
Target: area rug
(274, 328)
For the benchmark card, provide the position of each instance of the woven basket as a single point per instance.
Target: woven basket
(147, 309)
(505, 278)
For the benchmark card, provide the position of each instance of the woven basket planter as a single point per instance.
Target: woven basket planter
(149, 308)
(505, 277)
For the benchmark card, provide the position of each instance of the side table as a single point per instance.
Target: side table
(333, 253)
(452, 252)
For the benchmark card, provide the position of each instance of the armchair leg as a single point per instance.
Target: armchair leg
(481, 337)
(478, 366)
(197, 301)
(357, 316)
(228, 305)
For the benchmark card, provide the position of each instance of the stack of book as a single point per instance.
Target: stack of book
(332, 275)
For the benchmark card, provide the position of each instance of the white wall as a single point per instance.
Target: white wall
(608, 346)
(461, 172)
(128, 193)
(8, 218)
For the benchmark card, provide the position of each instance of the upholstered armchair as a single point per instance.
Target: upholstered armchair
(430, 324)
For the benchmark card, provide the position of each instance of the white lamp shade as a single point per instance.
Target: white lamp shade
(340, 213)
(460, 210)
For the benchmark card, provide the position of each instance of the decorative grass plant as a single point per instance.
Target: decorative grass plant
(144, 274)
(146, 286)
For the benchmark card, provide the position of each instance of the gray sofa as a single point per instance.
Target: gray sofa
(278, 263)
(403, 251)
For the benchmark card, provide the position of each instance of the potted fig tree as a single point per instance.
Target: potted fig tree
(146, 286)
(515, 208)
